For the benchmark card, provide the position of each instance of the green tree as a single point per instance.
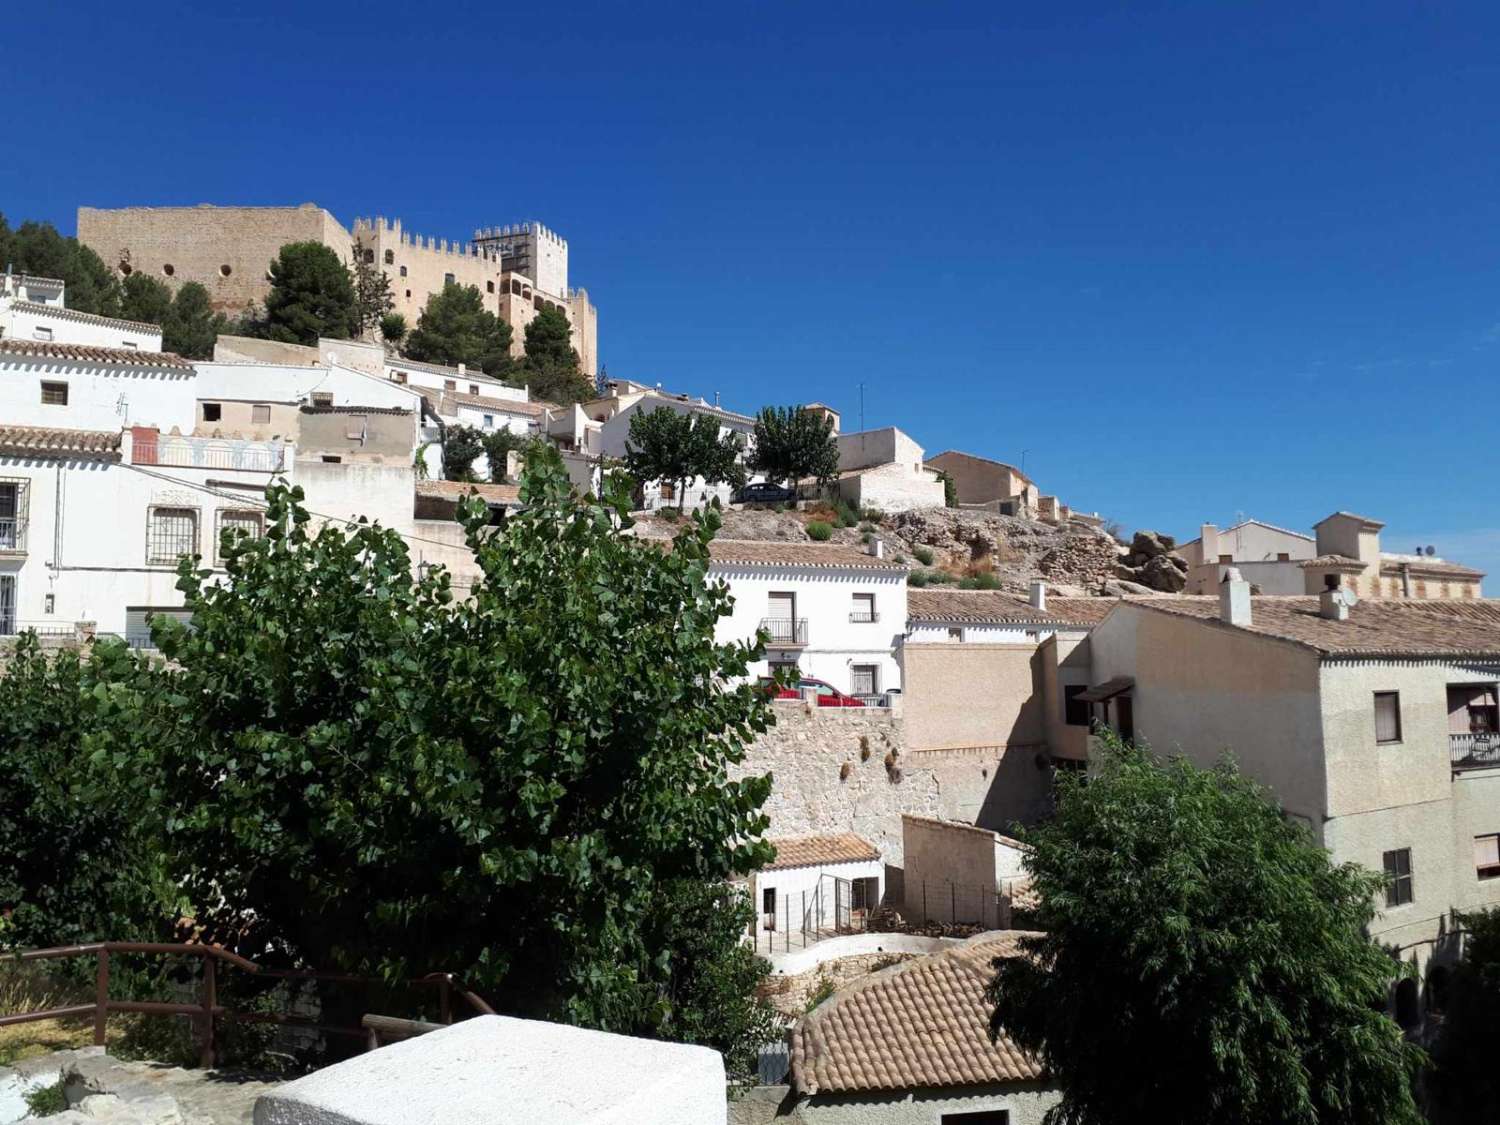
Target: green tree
(393, 327)
(192, 327)
(37, 248)
(1203, 960)
(73, 865)
(551, 367)
(144, 298)
(388, 780)
(792, 443)
(498, 445)
(372, 288)
(311, 295)
(1464, 1082)
(950, 490)
(455, 327)
(461, 445)
(676, 446)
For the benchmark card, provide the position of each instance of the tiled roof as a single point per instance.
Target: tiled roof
(310, 409)
(85, 353)
(1330, 560)
(1376, 628)
(457, 490)
(1429, 566)
(1023, 894)
(85, 318)
(976, 457)
(1257, 523)
(42, 440)
(777, 552)
(1353, 516)
(444, 401)
(992, 606)
(439, 369)
(815, 851)
(923, 1023)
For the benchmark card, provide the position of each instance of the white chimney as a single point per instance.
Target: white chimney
(1234, 598)
(461, 369)
(1334, 603)
(877, 547)
(1038, 595)
(1208, 537)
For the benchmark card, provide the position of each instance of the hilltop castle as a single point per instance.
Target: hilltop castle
(518, 269)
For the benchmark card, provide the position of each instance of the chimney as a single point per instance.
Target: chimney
(1208, 536)
(1234, 598)
(1038, 595)
(1406, 580)
(461, 369)
(877, 547)
(1334, 603)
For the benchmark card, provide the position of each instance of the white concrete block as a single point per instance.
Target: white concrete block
(495, 1070)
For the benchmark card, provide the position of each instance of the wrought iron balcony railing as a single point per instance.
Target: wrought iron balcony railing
(786, 630)
(1474, 751)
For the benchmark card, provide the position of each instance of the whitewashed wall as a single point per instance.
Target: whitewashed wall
(61, 325)
(99, 398)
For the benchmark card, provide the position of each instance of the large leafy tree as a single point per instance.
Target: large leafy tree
(455, 327)
(377, 777)
(372, 288)
(1465, 1083)
(678, 446)
(189, 326)
(311, 295)
(461, 445)
(551, 367)
(145, 298)
(37, 248)
(792, 443)
(1203, 960)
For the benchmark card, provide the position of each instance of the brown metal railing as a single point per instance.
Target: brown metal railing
(208, 1009)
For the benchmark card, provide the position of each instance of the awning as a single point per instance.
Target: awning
(1107, 690)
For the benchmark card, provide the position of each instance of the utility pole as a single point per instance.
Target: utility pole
(1023, 461)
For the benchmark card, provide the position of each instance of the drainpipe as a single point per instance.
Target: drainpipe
(1406, 580)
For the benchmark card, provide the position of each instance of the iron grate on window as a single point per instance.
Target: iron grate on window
(172, 533)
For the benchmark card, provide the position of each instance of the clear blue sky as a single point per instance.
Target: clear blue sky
(1193, 259)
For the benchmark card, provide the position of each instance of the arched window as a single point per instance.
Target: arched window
(390, 257)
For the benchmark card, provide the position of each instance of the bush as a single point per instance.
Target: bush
(917, 579)
(940, 578)
(923, 555)
(393, 327)
(819, 532)
(874, 515)
(47, 1100)
(980, 582)
(845, 513)
(867, 527)
(867, 538)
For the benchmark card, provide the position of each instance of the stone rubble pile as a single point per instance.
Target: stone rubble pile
(1150, 563)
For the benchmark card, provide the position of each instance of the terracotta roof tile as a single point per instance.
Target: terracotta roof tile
(778, 552)
(923, 1023)
(814, 851)
(1437, 567)
(44, 440)
(444, 401)
(992, 606)
(1376, 627)
(83, 317)
(85, 353)
(1330, 560)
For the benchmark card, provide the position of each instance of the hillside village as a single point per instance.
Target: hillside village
(943, 638)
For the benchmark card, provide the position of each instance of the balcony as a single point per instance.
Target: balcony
(149, 447)
(12, 536)
(1479, 751)
(864, 617)
(785, 632)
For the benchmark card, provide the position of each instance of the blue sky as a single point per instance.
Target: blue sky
(1193, 259)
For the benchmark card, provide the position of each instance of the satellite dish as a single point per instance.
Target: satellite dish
(1431, 551)
(1348, 597)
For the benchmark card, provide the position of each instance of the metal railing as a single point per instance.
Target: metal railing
(208, 1009)
(181, 452)
(12, 534)
(785, 630)
(1476, 751)
(864, 616)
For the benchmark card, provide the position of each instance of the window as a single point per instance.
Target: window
(330, 459)
(54, 394)
(212, 411)
(489, 421)
(403, 274)
(1282, 556)
(408, 292)
(249, 521)
(369, 257)
(490, 286)
(400, 377)
(129, 345)
(978, 1117)
(1487, 856)
(473, 388)
(1387, 716)
(13, 515)
(170, 534)
(447, 279)
(449, 385)
(668, 490)
(49, 604)
(864, 608)
(1226, 558)
(168, 269)
(768, 907)
(955, 632)
(792, 670)
(1398, 870)
(322, 398)
(7, 605)
(390, 257)
(40, 333)
(1075, 710)
(260, 414)
(864, 894)
(864, 679)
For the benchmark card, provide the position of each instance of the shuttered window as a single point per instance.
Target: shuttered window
(1387, 716)
(1398, 891)
(864, 679)
(1487, 855)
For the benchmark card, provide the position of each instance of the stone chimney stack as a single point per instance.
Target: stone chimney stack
(1208, 536)
(1335, 601)
(1039, 595)
(1234, 598)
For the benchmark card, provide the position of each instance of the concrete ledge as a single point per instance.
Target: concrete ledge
(853, 945)
(495, 1070)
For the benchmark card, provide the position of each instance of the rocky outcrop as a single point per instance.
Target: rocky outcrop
(101, 1090)
(1149, 563)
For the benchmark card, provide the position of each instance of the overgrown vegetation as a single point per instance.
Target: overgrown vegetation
(189, 326)
(792, 444)
(461, 446)
(47, 1100)
(819, 532)
(679, 446)
(37, 248)
(1465, 1084)
(455, 328)
(1201, 952)
(922, 554)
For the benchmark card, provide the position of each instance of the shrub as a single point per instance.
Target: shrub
(923, 555)
(867, 538)
(819, 532)
(825, 989)
(393, 327)
(845, 513)
(917, 579)
(874, 515)
(940, 577)
(980, 582)
(867, 527)
(47, 1100)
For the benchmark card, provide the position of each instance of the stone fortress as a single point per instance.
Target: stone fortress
(518, 269)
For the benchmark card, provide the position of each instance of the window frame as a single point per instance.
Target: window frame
(256, 409)
(1401, 889)
(50, 386)
(216, 407)
(862, 609)
(160, 560)
(1487, 871)
(1071, 703)
(1395, 697)
(855, 670)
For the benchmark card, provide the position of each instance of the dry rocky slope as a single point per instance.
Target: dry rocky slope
(1075, 558)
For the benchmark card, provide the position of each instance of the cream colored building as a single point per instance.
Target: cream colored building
(1372, 724)
(1264, 553)
(519, 270)
(982, 482)
(883, 469)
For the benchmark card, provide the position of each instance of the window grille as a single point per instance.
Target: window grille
(172, 533)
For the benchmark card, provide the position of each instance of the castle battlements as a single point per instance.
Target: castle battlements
(382, 227)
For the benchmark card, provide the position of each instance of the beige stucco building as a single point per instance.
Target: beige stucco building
(518, 269)
(1373, 724)
(883, 469)
(982, 482)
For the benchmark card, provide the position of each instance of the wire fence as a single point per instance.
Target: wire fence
(834, 907)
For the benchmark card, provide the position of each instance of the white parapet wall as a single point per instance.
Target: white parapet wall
(495, 1070)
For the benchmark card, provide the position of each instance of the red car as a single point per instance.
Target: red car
(826, 694)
